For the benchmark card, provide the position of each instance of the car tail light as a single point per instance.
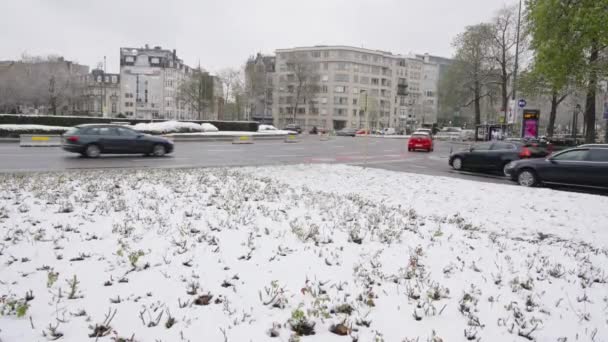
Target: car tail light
(525, 153)
(72, 139)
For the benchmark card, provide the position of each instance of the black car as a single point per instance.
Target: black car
(347, 132)
(93, 140)
(494, 155)
(294, 128)
(583, 166)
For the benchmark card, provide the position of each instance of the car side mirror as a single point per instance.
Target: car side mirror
(551, 160)
(471, 149)
(139, 136)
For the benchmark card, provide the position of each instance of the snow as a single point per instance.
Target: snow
(207, 127)
(230, 133)
(168, 127)
(12, 127)
(263, 127)
(413, 256)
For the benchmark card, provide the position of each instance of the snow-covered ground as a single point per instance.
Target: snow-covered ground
(11, 127)
(174, 127)
(246, 254)
(231, 133)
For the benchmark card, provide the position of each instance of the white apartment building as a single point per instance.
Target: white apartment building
(356, 88)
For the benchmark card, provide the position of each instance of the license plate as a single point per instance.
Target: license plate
(418, 145)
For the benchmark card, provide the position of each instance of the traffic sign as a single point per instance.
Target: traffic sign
(521, 103)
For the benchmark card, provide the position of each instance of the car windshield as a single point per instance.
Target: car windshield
(304, 170)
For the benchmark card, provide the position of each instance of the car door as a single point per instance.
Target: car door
(598, 170)
(500, 153)
(479, 156)
(131, 141)
(110, 140)
(568, 167)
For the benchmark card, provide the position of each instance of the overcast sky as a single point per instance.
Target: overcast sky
(224, 33)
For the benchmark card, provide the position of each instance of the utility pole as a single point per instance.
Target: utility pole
(514, 92)
(103, 85)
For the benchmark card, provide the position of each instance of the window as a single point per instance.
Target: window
(155, 60)
(599, 155)
(341, 100)
(326, 54)
(126, 132)
(324, 100)
(107, 79)
(341, 78)
(99, 79)
(355, 101)
(130, 59)
(575, 155)
(325, 78)
(503, 146)
(356, 67)
(114, 79)
(111, 131)
(324, 89)
(375, 81)
(355, 90)
(364, 57)
(113, 107)
(375, 70)
(342, 66)
(301, 110)
(340, 112)
(91, 131)
(364, 80)
(339, 89)
(316, 54)
(482, 146)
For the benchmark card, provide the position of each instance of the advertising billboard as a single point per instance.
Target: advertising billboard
(530, 123)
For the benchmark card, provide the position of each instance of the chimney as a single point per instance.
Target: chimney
(174, 54)
(147, 47)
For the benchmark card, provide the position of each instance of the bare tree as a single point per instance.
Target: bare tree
(303, 80)
(228, 77)
(473, 71)
(196, 92)
(502, 46)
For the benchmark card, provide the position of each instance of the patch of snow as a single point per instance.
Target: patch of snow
(241, 253)
(231, 133)
(168, 127)
(266, 128)
(207, 127)
(13, 127)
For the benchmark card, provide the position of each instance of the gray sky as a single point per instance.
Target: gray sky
(224, 33)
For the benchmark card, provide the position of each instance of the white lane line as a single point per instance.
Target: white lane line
(285, 155)
(225, 150)
(292, 148)
(344, 154)
(339, 146)
(393, 150)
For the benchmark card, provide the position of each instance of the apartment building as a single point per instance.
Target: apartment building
(100, 94)
(353, 87)
(260, 73)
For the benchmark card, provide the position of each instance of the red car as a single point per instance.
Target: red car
(420, 141)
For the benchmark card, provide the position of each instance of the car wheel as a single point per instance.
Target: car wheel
(504, 169)
(92, 151)
(159, 150)
(527, 178)
(457, 163)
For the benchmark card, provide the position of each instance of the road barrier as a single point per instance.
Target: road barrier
(292, 138)
(35, 140)
(243, 139)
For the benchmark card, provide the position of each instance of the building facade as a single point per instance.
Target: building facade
(260, 74)
(353, 87)
(100, 94)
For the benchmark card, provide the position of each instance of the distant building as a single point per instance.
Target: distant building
(260, 86)
(100, 94)
(40, 86)
(356, 88)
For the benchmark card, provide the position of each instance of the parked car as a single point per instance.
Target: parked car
(420, 141)
(494, 155)
(362, 131)
(583, 166)
(450, 133)
(389, 131)
(295, 128)
(95, 139)
(347, 132)
(424, 130)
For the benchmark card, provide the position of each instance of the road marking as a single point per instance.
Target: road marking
(338, 146)
(226, 150)
(285, 155)
(348, 153)
(292, 148)
(393, 150)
